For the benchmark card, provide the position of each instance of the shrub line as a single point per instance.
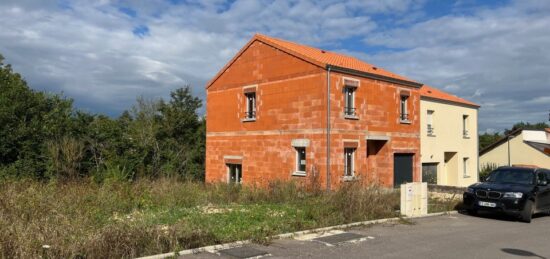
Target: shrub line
(213, 248)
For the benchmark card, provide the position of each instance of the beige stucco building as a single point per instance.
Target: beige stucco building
(520, 147)
(449, 138)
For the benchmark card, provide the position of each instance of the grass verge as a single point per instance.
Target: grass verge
(86, 219)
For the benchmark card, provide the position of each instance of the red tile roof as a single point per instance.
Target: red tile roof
(315, 56)
(323, 57)
(430, 92)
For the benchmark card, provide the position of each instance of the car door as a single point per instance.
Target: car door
(547, 174)
(543, 193)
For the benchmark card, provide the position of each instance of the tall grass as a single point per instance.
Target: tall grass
(121, 219)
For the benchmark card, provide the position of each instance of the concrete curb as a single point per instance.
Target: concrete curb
(213, 248)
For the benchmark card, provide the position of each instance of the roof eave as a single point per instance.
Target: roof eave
(373, 76)
(475, 106)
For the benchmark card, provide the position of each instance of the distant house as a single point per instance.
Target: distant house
(280, 110)
(448, 138)
(520, 147)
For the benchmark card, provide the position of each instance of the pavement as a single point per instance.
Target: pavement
(449, 236)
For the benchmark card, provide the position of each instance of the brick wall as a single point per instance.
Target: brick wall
(291, 104)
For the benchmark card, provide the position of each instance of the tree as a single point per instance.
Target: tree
(527, 126)
(487, 139)
(43, 136)
(28, 119)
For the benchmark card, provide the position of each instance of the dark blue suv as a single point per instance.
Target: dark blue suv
(517, 191)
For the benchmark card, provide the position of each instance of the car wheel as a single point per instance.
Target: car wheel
(527, 212)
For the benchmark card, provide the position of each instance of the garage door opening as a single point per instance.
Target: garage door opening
(402, 169)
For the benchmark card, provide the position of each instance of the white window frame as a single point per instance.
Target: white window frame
(429, 123)
(250, 108)
(465, 119)
(346, 165)
(350, 87)
(465, 161)
(299, 144)
(239, 174)
(403, 108)
(297, 170)
(349, 103)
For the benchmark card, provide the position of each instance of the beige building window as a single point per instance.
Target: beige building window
(430, 126)
(465, 123)
(465, 167)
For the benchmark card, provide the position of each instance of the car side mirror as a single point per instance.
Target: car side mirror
(543, 183)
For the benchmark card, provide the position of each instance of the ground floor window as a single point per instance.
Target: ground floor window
(429, 173)
(465, 167)
(300, 159)
(235, 173)
(349, 157)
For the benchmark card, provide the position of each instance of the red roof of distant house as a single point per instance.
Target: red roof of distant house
(316, 56)
(430, 92)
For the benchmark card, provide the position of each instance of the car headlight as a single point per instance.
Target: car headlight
(516, 195)
(470, 190)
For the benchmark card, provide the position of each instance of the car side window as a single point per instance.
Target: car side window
(541, 177)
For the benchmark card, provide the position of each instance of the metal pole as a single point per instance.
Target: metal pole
(328, 129)
(508, 138)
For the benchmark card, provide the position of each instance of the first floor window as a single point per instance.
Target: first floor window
(250, 105)
(349, 109)
(465, 166)
(349, 157)
(300, 159)
(430, 122)
(465, 126)
(403, 109)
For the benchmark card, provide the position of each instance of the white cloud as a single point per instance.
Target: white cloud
(496, 57)
(87, 49)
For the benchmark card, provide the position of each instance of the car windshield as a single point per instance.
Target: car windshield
(520, 176)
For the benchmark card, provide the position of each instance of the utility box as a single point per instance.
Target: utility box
(414, 199)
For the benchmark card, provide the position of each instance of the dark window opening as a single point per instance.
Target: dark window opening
(235, 173)
(465, 126)
(404, 113)
(349, 109)
(349, 156)
(301, 159)
(250, 105)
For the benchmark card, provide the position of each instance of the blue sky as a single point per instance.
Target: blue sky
(104, 54)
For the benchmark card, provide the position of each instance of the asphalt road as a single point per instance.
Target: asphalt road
(451, 236)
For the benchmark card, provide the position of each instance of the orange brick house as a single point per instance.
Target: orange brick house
(279, 111)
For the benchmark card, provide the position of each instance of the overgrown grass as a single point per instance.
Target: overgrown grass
(439, 202)
(86, 219)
